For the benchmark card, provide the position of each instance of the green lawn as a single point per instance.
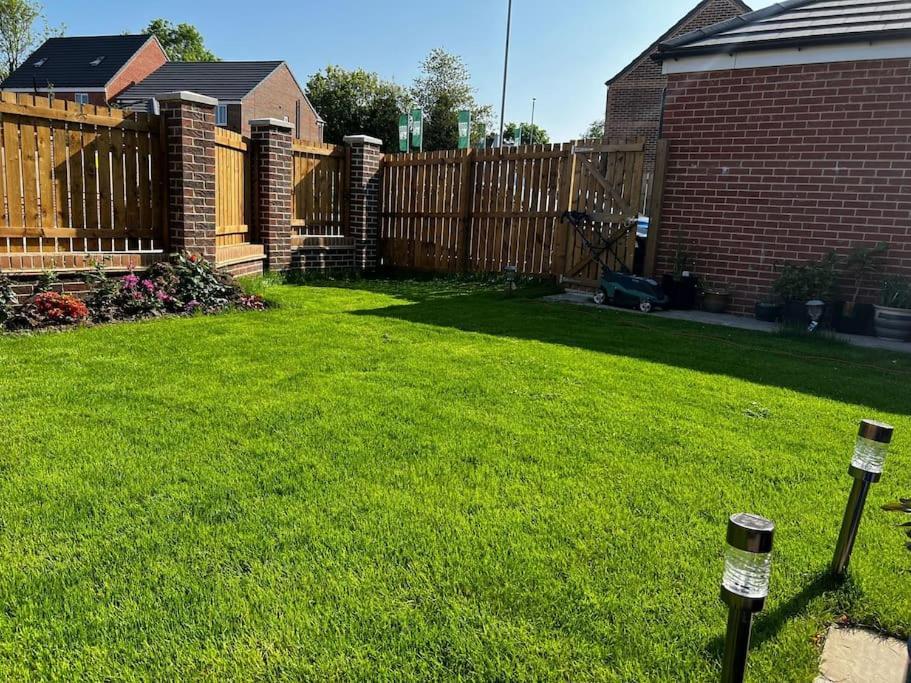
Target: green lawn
(399, 481)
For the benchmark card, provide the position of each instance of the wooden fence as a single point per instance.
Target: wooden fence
(233, 189)
(79, 178)
(320, 189)
(481, 210)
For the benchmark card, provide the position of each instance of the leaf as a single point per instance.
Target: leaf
(896, 507)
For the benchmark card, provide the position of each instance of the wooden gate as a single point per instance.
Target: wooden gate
(483, 210)
(607, 187)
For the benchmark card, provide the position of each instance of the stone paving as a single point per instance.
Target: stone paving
(857, 655)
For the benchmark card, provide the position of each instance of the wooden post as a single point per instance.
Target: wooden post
(567, 176)
(467, 180)
(654, 217)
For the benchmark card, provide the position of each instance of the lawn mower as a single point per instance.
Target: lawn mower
(617, 288)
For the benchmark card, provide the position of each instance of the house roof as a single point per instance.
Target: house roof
(798, 23)
(67, 62)
(225, 81)
(667, 34)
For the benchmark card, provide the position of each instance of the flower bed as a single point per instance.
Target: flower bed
(185, 285)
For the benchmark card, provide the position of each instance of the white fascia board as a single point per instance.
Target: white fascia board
(791, 56)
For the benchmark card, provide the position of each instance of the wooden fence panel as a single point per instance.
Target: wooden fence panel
(233, 207)
(70, 183)
(319, 189)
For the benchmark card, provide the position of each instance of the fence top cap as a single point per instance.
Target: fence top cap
(270, 123)
(362, 140)
(187, 96)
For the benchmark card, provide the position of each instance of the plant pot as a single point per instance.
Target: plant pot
(681, 291)
(715, 301)
(795, 313)
(892, 323)
(770, 313)
(851, 318)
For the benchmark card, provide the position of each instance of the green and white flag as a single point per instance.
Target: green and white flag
(417, 129)
(464, 129)
(403, 133)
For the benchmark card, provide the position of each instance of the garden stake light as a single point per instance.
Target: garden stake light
(744, 586)
(873, 439)
(815, 309)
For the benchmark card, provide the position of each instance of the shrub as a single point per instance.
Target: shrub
(142, 296)
(104, 292)
(805, 281)
(8, 300)
(54, 308)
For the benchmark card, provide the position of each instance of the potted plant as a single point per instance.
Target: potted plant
(768, 311)
(892, 317)
(715, 297)
(853, 317)
(682, 286)
(799, 283)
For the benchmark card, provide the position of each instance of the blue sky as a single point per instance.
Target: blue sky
(561, 52)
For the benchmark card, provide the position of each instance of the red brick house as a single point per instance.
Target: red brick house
(636, 93)
(88, 69)
(244, 90)
(790, 135)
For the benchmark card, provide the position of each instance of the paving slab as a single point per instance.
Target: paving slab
(725, 320)
(858, 655)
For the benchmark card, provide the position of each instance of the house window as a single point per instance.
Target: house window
(297, 119)
(221, 115)
(82, 98)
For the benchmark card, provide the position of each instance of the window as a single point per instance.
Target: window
(221, 115)
(82, 98)
(297, 119)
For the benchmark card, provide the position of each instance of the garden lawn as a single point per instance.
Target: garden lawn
(397, 481)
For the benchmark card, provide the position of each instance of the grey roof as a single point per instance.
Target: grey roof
(67, 62)
(798, 23)
(671, 31)
(225, 81)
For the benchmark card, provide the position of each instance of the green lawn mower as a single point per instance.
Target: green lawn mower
(619, 289)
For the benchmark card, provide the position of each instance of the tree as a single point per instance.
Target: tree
(182, 43)
(356, 102)
(532, 134)
(441, 90)
(595, 129)
(22, 28)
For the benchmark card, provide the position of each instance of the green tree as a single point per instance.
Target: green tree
(181, 42)
(23, 27)
(532, 134)
(441, 90)
(595, 129)
(356, 102)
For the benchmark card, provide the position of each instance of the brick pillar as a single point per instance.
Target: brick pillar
(273, 189)
(190, 129)
(364, 200)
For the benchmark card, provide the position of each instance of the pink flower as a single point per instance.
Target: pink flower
(130, 281)
(148, 285)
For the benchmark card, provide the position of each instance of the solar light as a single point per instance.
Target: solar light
(870, 449)
(815, 309)
(511, 273)
(744, 586)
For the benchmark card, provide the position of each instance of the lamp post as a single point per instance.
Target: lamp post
(505, 70)
(870, 449)
(744, 586)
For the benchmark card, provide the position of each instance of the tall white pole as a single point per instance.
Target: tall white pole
(505, 70)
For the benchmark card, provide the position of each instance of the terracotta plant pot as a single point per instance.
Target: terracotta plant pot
(715, 301)
(892, 323)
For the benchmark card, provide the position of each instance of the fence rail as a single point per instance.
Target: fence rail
(233, 189)
(320, 189)
(79, 178)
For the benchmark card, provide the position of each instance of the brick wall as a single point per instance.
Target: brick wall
(272, 140)
(785, 163)
(146, 60)
(364, 197)
(634, 99)
(277, 97)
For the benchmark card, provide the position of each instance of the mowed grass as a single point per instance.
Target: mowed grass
(403, 481)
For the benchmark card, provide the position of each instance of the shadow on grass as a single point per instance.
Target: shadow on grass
(877, 380)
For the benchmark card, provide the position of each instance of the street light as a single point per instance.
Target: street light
(870, 449)
(744, 586)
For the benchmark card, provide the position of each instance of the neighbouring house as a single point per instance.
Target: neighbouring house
(636, 93)
(87, 69)
(244, 90)
(790, 135)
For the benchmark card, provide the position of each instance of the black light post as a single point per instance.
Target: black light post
(873, 439)
(744, 586)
